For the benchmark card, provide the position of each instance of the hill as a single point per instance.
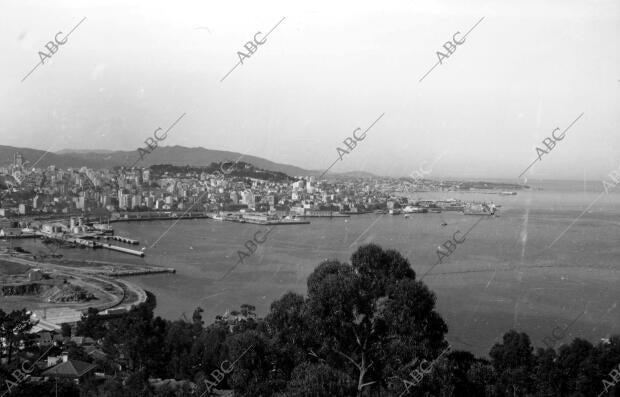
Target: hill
(174, 155)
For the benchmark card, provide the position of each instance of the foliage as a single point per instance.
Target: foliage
(357, 333)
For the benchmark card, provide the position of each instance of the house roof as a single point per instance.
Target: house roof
(95, 352)
(57, 316)
(82, 340)
(44, 325)
(70, 369)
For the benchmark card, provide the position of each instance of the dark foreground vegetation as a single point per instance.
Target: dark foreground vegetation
(363, 329)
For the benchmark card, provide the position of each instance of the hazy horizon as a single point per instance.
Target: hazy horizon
(327, 69)
(431, 176)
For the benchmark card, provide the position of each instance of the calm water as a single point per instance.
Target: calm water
(506, 275)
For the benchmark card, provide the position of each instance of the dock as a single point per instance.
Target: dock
(140, 272)
(94, 244)
(267, 223)
(336, 215)
(122, 239)
(119, 249)
(158, 218)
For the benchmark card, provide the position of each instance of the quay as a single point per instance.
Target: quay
(270, 222)
(121, 239)
(141, 272)
(94, 244)
(158, 218)
(119, 249)
(336, 215)
(91, 244)
(256, 219)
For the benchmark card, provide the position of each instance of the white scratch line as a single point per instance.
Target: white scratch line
(364, 232)
(576, 219)
(211, 296)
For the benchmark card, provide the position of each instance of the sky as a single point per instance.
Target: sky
(328, 68)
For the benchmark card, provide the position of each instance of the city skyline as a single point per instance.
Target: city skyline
(425, 170)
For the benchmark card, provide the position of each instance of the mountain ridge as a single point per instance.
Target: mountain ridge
(173, 155)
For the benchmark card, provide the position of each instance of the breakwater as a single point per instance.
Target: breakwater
(158, 218)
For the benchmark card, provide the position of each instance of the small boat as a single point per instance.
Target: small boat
(406, 216)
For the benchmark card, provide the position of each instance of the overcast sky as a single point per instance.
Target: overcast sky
(330, 67)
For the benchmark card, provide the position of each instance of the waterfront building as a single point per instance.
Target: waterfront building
(136, 201)
(259, 217)
(248, 199)
(123, 201)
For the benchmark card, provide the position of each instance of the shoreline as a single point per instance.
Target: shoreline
(116, 296)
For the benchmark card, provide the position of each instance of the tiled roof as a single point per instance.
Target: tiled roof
(70, 369)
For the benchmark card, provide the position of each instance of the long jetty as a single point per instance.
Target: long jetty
(94, 244)
(141, 272)
(260, 222)
(121, 239)
(158, 218)
(120, 249)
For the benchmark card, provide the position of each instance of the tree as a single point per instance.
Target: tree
(65, 329)
(287, 325)
(253, 373)
(14, 327)
(111, 388)
(309, 380)
(197, 317)
(137, 385)
(91, 324)
(513, 361)
(515, 351)
(367, 319)
(75, 352)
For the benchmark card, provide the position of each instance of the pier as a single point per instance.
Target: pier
(94, 244)
(122, 239)
(268, 223)
(158, 218)
(141, 272)
(119, 249)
